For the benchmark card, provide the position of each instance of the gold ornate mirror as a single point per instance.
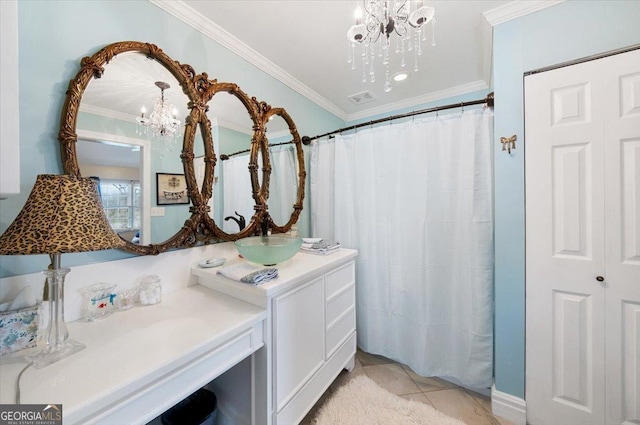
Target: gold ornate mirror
(131, 75)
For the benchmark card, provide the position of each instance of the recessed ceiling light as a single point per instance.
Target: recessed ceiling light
(400, 76)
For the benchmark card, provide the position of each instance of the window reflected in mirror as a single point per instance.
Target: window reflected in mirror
(118, 168)
(121, 200)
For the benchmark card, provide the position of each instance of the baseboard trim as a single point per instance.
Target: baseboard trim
(508, 407)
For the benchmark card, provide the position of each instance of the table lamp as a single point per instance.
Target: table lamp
(62, 214)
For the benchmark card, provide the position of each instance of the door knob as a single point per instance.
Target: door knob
(600, 279)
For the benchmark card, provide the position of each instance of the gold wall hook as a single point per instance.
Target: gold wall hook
(508, 143)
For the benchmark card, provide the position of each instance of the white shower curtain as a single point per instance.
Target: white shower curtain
(283, 186)
(236, 187)
(416, 200)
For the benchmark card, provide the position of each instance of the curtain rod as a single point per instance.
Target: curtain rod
(224, 157)
(487, 101)
(307, 140)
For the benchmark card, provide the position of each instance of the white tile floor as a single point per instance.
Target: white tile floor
(470, 407)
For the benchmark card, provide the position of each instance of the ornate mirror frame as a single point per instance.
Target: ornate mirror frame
(297, 207)
(199, 227)
(207, 89)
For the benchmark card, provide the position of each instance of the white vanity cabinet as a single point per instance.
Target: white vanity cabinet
(309, 332)
(141, 362)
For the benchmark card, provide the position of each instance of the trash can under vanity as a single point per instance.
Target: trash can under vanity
(197, 409)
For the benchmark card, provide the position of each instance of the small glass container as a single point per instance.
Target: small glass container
(126, 298)
(101, 298)
(150, 290)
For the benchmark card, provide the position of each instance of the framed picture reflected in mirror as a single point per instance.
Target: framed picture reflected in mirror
(171, 189)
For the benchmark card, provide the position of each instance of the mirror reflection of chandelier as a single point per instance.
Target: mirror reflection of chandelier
(382, 19)
(162, 123)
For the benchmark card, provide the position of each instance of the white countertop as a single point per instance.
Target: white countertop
(300, 267)
(132, 353)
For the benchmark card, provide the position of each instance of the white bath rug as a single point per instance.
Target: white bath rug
(363, 402)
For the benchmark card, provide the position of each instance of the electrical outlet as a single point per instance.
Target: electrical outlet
(157, 211)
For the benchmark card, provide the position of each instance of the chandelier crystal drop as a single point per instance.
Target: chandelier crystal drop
(407, 19)
(162, 123)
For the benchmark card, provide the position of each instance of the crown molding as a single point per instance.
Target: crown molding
(420, 100)
(115, 139)
(516, 9)
(221, 122)
(108, 113)
(193, 18)
(278, 134)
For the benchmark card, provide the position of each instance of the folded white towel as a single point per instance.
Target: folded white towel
(323, 247)
(249, 273)
(323, 244)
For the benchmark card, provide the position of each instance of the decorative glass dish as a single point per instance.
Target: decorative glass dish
(101, 298)
(150, 290)
(126, 298)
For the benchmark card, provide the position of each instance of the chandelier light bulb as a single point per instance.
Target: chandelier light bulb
(358, 15)
(401, 76)
(378, 20)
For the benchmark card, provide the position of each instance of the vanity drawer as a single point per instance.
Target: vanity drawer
(339, 304)
(340, 329)
(338, 279)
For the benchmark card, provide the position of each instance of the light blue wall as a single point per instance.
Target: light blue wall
(55, 35)
(567, 31)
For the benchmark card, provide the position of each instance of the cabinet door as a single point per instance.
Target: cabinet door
(298, 336)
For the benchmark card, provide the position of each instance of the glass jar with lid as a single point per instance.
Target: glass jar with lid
(149, 290)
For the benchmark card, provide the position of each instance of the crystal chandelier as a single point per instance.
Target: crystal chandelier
(162, 123)
(382, 19)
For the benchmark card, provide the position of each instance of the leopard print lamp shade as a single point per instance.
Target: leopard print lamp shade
(62, 214)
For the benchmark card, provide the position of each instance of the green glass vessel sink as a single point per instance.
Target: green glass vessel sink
(268, 250)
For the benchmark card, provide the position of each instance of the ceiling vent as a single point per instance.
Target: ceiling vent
(364, 97)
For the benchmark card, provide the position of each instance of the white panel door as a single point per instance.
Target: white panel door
(582, 153)
(622, 242)
(564, 247)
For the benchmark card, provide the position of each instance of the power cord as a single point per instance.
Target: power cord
(18, 382)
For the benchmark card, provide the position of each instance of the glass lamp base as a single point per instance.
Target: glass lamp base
(54, 353)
